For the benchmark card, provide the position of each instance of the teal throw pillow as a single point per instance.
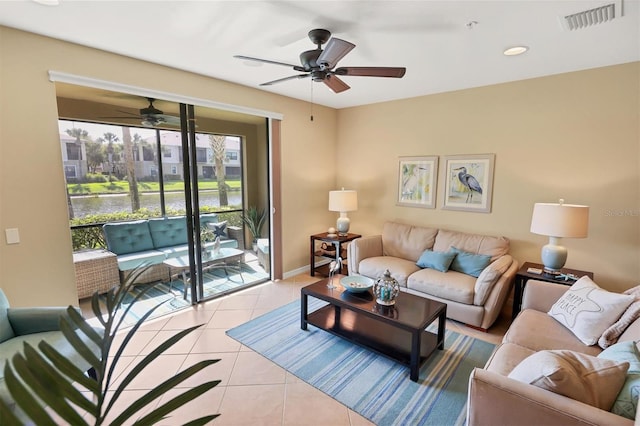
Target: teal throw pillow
(437, 260)
(469, 263)
(626, 403)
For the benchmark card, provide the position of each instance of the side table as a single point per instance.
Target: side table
(334, 249)
(96, 270)
(522, 276)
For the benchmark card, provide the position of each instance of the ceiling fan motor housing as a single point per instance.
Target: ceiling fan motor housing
(308, 59)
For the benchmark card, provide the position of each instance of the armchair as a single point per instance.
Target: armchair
(32, 325)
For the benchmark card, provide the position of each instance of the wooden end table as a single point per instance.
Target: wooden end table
(522, 276)
(397, 332)
(336, 242)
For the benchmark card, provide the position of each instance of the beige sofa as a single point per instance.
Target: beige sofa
(474, 301)
(495, 399)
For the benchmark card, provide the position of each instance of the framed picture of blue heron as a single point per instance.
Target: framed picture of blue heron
(468, 181)
(417, 181)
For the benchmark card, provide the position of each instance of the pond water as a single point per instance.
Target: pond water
(112, 203)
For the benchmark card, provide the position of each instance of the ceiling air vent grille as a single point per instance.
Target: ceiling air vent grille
(595, 16)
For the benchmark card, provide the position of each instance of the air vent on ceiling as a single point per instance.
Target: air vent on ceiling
(591, 17)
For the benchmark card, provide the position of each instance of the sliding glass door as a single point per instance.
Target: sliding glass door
(193, 164)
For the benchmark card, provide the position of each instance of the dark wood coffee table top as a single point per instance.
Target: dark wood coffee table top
(412, 311)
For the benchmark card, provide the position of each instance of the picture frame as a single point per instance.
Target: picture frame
(468, 182)
(417, 180)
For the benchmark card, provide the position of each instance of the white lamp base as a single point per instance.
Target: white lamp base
(553, 256)
(342, 224)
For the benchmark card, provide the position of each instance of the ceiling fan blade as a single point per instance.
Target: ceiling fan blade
(336, 84)
(168, 119)
(396, 72)
(335, 50)
(280, 80)
(267, 61)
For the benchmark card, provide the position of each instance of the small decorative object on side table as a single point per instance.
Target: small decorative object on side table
(329, 242)
(534, 271)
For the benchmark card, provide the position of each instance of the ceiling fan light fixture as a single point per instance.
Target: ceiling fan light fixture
(515, 50)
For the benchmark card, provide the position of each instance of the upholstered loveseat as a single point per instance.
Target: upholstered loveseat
(499, 395)
(474, 296)
(149, 242)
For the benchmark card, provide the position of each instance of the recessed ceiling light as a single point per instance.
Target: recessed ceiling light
(48, 2)
(515, 50)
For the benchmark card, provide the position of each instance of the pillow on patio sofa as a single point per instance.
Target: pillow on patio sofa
(579, 376)
(219, 229)
(587, 310)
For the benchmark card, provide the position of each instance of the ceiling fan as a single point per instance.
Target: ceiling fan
(320, 64)
(151, 116)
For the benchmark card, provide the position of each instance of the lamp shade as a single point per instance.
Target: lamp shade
(560, 220)
(343, 201)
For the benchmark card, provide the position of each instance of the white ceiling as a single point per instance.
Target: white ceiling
(445, 45)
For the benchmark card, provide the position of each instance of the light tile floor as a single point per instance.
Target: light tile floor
(253, 390)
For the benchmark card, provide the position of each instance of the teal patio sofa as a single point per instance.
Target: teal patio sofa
(149, 242)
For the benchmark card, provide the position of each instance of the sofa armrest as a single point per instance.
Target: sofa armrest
(35, 320)
(540, 295)
(362, 248)
(497, 400)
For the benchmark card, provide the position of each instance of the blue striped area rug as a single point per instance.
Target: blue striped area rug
(370, 384)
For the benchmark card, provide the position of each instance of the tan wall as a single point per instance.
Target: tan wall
(573, 136)
(39, 270)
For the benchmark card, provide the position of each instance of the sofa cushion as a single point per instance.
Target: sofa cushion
(472, 243)
(375, 267)
(450, 285)
(469, 263)
(406, 241)
(538, 331)
(505, 357)
(587, 310)
(626, 403)
(489, 277)
(437, 260)
(168, 231)
(128, 237)
(581, 377)
(133, 260)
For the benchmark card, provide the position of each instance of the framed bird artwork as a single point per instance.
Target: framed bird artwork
(417, 181)
(468, 181)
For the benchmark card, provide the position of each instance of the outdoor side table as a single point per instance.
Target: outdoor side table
(96, 270)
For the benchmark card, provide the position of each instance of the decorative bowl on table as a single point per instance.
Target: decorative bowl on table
(356, 283)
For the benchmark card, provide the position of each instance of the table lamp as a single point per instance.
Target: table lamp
(558, 221)
(343, 201)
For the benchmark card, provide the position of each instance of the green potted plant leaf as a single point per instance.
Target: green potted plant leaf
(42, 381)
(254, 218)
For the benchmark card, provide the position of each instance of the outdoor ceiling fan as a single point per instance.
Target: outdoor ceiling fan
(151, 116)
(320, 64)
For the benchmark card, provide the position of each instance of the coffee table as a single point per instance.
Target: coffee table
(397, 332)
(226, 258)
